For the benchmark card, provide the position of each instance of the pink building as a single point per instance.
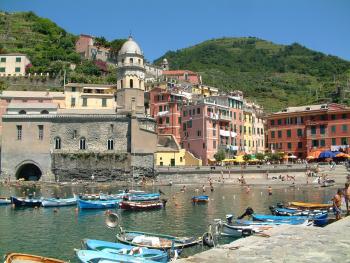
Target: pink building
(18, 97)
(182, 75)
(165, 107)
(86, 47)
(212, 124)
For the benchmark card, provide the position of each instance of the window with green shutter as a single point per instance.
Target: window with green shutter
(2, 69)
(289, 133)
(104, 102)
(300, 132)
(17, 69)
(84, 102)
(18, 59)
(2, 59)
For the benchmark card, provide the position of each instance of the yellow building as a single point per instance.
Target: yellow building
(169, 153)
(90, 96)
(205, 90)
(248, 131)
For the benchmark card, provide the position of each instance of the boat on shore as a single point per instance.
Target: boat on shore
(58, 202)
(142, 206)
(98, 204)
(5, 201)
(156, 241)
(318, 220)
(200, 199)
(119, 248)
(89, 256)
(25, 202)
(27, 258)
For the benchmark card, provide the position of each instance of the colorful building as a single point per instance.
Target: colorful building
(211, 124)
(301, 130)
(90, 96)
(169, 153)
(182, 75)
(13, 64)
(85, 46)
(165, 108)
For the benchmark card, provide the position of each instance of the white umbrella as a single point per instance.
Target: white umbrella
(292, 157)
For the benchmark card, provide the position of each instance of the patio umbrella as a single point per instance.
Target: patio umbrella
(328, 154)
(344, 155)
(310, 157)
(292, 157)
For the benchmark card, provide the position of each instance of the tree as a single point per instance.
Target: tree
(247, 157)
(220, 155)
(260, 156)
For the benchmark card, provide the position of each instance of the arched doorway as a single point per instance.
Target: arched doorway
(29, 172)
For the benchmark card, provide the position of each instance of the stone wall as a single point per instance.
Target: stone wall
(103, 166)
(143, 164)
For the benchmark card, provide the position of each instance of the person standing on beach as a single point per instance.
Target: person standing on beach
(203, 188)
(337, 204)
(269, 190)
(347, 197)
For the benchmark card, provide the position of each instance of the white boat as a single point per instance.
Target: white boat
(57, 202)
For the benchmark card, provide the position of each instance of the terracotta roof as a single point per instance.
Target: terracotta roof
(178, 72)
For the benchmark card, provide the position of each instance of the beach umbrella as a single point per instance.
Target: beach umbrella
(310, 157)
(343, 155)
(328, 154)
(292, 157)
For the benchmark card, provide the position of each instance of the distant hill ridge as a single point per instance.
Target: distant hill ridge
(275, 76)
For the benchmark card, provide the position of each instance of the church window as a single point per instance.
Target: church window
(110, 144)
(41, 132)
(131, 83)
(22, 112)
(57, 143)
(140, 84)
(121, 83)
(139, 61)
(19, 132)
(131, 61)
(44, 112)
(82, 143)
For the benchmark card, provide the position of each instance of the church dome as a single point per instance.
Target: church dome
(130, 47)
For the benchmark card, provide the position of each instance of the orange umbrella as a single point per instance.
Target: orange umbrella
(344, 155)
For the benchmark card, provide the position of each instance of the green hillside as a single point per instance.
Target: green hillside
(273, 75)
(50, 48)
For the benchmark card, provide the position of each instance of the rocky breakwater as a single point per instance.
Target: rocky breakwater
(285, 244)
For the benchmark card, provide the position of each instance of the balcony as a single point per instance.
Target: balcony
(224, 117)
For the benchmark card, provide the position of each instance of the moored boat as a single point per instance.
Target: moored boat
(27, 258)
(98, 204)
(25, 202)
(88, 256)
(119, 248)
(5, 201)
(140, 206)
(57, 202)
(319, 220)
(142, 196)
(156, 241)
(200, 199)
(303, 205)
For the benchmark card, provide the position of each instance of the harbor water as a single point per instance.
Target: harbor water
(55, 233)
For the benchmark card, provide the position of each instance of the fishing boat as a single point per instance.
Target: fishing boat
(5, 201)
(319, 220)
(88, 256)
(200, 199)
(119, 248)
(141, 206)
(238, 230)
(57, 202)
(27, 258)
(156, 241)
(98, 204)
(287, 211)
(142, 196)
(25, 202)
(302, 205)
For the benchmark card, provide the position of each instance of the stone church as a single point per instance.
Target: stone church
(41, 141)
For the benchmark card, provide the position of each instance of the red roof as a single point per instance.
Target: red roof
(178, 72)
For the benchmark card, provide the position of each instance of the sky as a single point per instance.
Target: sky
(162, 25)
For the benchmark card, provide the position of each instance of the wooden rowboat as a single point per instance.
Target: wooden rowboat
(200, 199)
(309, 205)
(139, 206)
(27, 258)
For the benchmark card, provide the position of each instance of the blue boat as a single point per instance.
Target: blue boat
(119, 248)
(57, 202)
(200, 198)
(25, 202)
(318, 220)
(5, 201)
(88, 256)
(98, 204)
(142, 196)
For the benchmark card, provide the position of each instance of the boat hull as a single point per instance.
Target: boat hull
(118, 248)
(142, 197)
(140, 206)
(82, 204)
(88, 256)
(23, 258)
(156, 241)
(200, 199)
(21, 202)
(302, 205)
(53, 202)
(5, 201)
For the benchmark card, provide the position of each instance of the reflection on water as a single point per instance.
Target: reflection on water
(55, 234)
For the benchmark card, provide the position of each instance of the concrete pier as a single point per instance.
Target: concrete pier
(285, 244)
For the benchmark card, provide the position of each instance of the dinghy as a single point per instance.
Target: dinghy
(141, 206)
(89, 256)
(200, 199)
(319, 220)
(142, 196)
(98, 204)
(25, 202)
(57, 202)
(302, 205)
(5, 201)
(27, 258)
(118, 248)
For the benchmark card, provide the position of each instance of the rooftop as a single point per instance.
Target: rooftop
(31, 94)
(178, 72)
(13, 54)
(90, 85)
(167, 143)
(34, 105)
(87, 111)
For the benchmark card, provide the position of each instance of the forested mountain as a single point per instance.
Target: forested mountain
(273, 75)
